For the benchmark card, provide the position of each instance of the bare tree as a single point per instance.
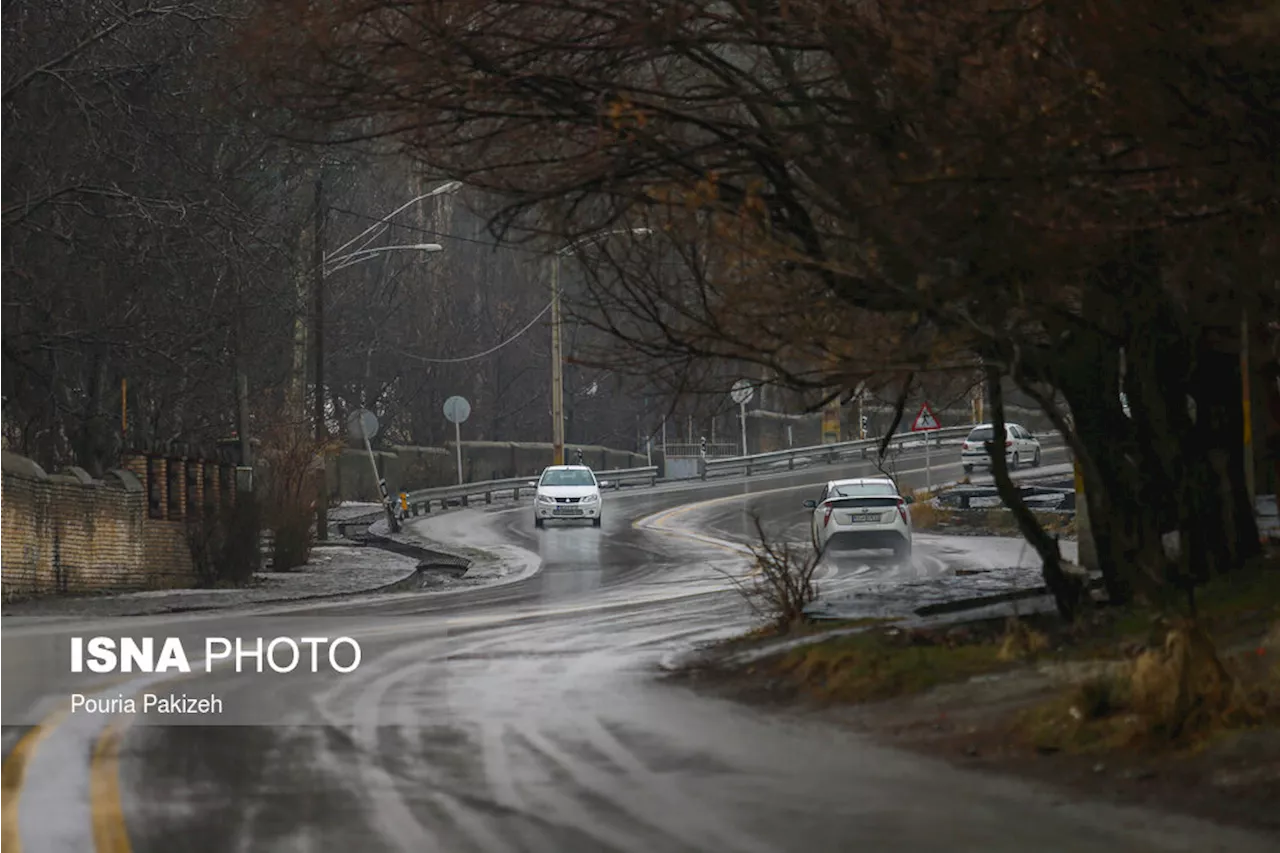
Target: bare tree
(842, 191)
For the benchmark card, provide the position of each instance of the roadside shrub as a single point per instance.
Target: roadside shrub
(781, 585)
(224, 544)
(292, 463)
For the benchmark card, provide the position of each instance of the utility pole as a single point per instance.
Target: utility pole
(322, 433)
(557, 370)
(1247, 401)
(241, 378)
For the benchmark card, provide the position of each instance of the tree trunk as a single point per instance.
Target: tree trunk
(1069, 595)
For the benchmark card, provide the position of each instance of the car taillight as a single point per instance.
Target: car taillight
(1008, 444)
(826, 517)
(964, 445)
(902, 510)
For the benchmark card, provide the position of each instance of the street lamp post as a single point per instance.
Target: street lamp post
(557, 370)
(327, 265)
(557, 358)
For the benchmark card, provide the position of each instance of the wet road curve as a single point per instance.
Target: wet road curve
(527, 718)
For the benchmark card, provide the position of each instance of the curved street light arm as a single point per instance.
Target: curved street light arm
(352, 258)
(382, 223)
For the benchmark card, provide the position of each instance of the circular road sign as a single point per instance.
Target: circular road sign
(742, 391)
(362, 424)
(457, 409)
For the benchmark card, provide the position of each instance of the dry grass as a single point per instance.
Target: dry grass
(1175, 694)
(1021, 642)
(926, 515)
(886, 663)
(868, 666)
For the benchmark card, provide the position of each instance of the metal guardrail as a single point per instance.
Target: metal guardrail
(1034, 495)
(421, 501)
(828, 453)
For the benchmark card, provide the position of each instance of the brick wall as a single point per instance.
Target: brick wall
(69, 533)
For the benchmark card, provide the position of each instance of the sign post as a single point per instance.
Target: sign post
(926, 422)
(457, 410)
(741, 393)
(363, 424)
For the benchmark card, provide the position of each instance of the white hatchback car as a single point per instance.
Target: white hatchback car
(866, 512)
(1020, 447)
(567, 491)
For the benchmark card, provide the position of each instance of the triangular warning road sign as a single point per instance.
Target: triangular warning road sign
(925, 420)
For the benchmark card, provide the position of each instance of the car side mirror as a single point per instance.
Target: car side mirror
(909, 499)
(532, 484)
(810, 504)
(604, 484)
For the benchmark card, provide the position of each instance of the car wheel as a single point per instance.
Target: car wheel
(1036, 463)
(968, 469)
(595, 522)
(1014, 466)
(537, 522)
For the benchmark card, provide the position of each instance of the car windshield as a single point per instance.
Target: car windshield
(855, 490)
(568, 477)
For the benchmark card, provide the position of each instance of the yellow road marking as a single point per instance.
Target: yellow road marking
(103, 777)
(106, 810)
(106, 806)
(14, 773)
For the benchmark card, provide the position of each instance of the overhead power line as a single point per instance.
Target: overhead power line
(489, 351)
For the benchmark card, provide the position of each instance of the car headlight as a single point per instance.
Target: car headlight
(590, 499)
(546, 499)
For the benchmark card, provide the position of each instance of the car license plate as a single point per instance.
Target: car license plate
(864, 519)
(565, 510)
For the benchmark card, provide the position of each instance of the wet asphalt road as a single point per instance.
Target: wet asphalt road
(520, 718)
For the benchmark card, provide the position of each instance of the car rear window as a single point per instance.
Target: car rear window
(980, 434)
(865, 500)
(854, 490)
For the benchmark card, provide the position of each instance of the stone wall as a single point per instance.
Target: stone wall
(70, 533)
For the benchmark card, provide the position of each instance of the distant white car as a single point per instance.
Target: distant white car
(568, 492)
(1020, 447)
(866, 512)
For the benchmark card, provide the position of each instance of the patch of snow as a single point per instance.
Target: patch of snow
(332, 571)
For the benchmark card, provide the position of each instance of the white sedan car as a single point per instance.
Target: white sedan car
(567, 491)
(866, 512)
(1020, 447)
